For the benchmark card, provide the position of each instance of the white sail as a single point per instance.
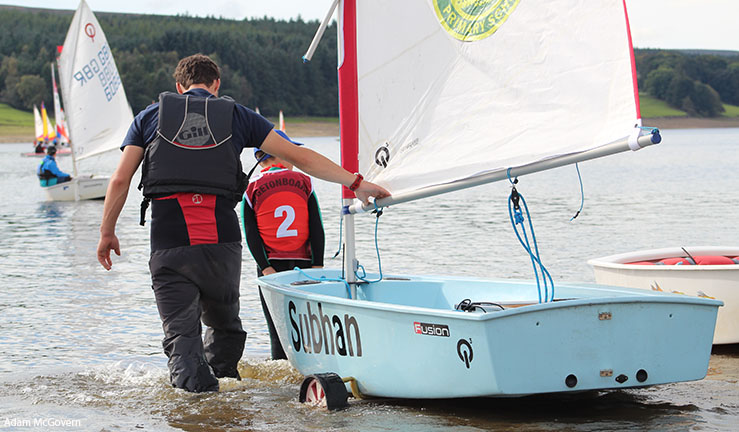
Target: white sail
(453, 89)
(97, 110)
(61, 128)
(38, 124)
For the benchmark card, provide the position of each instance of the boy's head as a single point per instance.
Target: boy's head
(266, 159)
(196, 69)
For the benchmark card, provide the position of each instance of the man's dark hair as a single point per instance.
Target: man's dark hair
(196, 69)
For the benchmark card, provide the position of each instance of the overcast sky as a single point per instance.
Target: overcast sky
(704, 24)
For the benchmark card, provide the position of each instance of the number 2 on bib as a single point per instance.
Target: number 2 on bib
(288, 213)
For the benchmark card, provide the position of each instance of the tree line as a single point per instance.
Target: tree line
(260, 59)
(698, 84)
(261, 62)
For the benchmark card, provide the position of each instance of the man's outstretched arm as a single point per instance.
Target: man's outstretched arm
(316, 165)
(115, 198)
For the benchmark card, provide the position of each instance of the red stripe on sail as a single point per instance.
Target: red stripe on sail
(633, 63)
(348, 94)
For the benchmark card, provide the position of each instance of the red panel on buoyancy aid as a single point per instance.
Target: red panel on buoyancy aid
(283, 225)
(199, 212)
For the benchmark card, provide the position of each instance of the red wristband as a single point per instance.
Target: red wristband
(356, 183)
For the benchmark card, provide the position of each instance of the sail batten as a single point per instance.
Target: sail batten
(463, 88)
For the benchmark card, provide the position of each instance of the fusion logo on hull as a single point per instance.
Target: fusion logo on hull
(316, 333)
(431, 329)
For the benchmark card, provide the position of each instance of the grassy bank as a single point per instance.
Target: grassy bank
(652, 107)
(657, 113)
(15, 125)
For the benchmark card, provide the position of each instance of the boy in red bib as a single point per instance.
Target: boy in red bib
(282, 224)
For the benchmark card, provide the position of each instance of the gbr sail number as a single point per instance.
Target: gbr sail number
(102, 67)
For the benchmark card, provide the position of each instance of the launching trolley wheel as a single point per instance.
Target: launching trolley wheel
(324, 390)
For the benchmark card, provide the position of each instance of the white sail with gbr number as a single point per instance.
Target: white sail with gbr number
(453, 89)
(98, 113)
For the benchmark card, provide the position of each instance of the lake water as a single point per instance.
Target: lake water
(81, 346)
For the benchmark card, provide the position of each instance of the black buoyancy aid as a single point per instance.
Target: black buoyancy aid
(43, 173)
(192, 150)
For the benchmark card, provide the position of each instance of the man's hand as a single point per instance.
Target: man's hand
(105, 245)
(268, 271)
(367, 189)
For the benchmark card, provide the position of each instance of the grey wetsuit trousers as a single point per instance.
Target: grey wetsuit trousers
(194, 283)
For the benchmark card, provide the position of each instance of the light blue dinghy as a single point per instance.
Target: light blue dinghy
(463, 94)
(405, 337)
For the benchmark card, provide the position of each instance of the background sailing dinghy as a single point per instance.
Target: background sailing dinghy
(98, 113)
(42, 126)
(457, 96)
(701, 271)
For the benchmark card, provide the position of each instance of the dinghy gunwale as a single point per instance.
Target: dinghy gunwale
(625, 295)
(622, 261)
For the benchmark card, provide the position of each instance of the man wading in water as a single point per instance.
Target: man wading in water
(190, 143)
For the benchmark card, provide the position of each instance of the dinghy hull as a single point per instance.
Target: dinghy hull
(713, 281)
(86, 188)
(404, 339)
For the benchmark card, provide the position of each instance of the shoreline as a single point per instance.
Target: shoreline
(331, 127)
(295, 130)
(691, 122)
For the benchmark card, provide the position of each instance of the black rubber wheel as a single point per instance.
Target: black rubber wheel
(324, 390)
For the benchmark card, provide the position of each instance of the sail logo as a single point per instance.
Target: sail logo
(90, 31)
(314, 332)
(473, 20)
(431, 329)
(382, 156)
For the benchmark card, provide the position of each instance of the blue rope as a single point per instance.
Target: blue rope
(341, 230)
(359, 267)
(517, 217)
(582, 193)
(325, 279)
(377, 249)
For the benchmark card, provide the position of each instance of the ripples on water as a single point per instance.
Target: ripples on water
(81, 344)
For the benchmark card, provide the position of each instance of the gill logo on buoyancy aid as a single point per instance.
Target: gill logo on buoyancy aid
(194, 132)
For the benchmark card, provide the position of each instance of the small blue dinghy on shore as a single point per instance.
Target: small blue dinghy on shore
(408, 337)
(447, 95)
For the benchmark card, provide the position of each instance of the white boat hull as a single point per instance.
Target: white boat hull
(403, 337)
(81, 188)
(711, 281)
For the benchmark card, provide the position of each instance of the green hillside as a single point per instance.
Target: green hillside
(731, 110)
(652, 107)
(15, 118)
(14, 122)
